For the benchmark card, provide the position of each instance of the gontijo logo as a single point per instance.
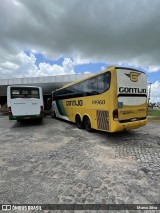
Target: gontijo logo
(133, 76)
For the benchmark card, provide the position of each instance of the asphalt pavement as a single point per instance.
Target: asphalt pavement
(55, 162)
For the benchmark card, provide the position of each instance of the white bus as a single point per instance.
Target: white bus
(25, 102)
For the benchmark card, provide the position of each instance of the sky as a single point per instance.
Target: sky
(58, 37)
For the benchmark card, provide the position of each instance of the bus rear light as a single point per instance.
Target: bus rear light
(9, 111)
(115, 115)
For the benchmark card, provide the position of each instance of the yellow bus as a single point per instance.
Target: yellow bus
(112, 100)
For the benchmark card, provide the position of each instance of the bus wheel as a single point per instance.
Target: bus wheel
(79, 123)
(40, 120)
(87, 124)
(53, 115)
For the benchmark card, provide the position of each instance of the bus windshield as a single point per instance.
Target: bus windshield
(23, 92)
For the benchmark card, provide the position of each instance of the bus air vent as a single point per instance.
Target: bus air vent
(102, 120)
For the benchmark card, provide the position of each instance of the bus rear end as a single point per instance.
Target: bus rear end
(25, 102)
(130, 110)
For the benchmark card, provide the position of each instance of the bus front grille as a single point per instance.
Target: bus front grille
(102, 120)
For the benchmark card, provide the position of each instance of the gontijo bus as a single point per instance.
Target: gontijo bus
(112, 100)
(25, 102)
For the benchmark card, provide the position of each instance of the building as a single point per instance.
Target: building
(48, 84)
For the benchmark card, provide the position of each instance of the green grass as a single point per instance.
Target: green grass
(155, 113)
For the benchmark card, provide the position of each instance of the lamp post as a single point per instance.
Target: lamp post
(149, 92)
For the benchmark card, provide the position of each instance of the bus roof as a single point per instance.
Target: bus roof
(127, 68)
(25, 86)
(92, 76)
(110, 68)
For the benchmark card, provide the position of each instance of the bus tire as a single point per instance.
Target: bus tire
(40, 120)
(87, 124)
(53, 115)
(79, 123)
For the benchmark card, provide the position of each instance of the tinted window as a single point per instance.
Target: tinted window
(107, 79)
(72, 89)
(92, 85)
(82, 87)
(103, 82)
(24, 92)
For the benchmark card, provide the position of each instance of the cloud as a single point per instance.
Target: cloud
(117, 31)
(9, 65)
(66, 68)
(25, 66)
(87, 72)
(155, 92)
(153, 68)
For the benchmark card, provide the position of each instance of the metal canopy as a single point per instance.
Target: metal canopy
(48, 83)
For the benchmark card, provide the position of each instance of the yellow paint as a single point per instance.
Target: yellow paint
(111, 103)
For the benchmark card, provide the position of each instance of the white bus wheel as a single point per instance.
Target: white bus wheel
(54, 115)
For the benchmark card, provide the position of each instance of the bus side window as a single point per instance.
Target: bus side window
(92, 86)
(106, 81)
(82, 87)
(100, 84)
(103, 82)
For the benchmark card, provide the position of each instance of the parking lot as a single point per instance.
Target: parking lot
(55, 162)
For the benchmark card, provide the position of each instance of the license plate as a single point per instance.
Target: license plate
(27, 117)
(134, 119)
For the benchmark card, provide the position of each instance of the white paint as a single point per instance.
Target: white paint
(24, 106)
(124, 81)
(55, 109)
